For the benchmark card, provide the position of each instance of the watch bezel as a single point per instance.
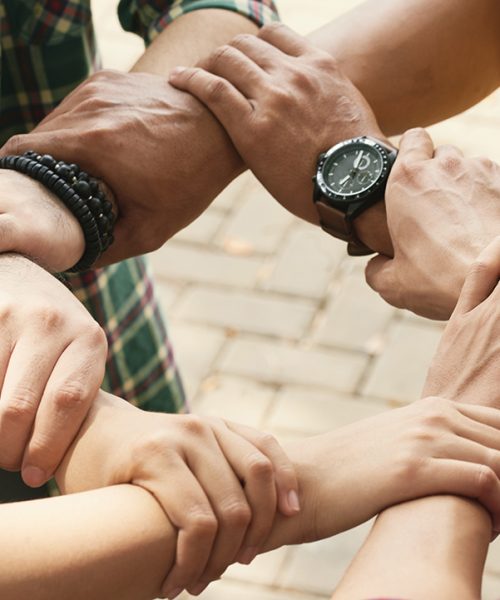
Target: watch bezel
(345, 199)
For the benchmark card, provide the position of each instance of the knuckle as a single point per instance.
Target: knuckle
(203, 524)
(215, 90)
(14, 144)
(405, 171)
(482, 266)
(260, 468)
(195, 425)
(20, 407)
(97, 335)
(326, 63)
(71, 396)
(242, 39)
(449, 162)
(237, 514)
(220, 54)
(47, 317)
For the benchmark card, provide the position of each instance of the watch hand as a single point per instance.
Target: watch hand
(345, 180)
(357, 160)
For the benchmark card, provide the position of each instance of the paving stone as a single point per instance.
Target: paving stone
(399, 373)
(264, 569)
(327, 560)
(305, 264)
(195, 350)
(258, 225)
(167, 294)
(231, 197)
(228, 590)
(236, 399)
(491, 588)
(493, 560)
(203, 229)
(253, 312)
(281, 363)
(310, 411)
(356, 317)
(182, 263)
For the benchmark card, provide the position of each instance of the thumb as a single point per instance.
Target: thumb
(381, 276)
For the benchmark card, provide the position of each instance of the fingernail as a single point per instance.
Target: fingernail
(293, 501)
(198, 589)
(33, 476)
(247, 555)
(173, 593)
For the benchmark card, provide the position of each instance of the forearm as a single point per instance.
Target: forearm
(190, 38)
(428, 549)
(110, 543)
(416, 61)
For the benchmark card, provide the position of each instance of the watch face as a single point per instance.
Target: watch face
(353, 169)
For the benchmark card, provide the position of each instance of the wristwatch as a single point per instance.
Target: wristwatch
(350, 177)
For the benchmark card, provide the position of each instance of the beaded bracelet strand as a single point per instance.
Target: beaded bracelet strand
(79, 192)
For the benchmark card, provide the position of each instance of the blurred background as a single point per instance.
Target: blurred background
(273, 325)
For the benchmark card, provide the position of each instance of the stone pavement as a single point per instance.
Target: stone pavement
(274, 326)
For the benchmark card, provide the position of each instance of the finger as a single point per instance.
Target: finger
(479, 416)
(472, 480)
(27, 373)
(229, 504)
(187, 506)
(380, 275)
(256, 472)
(415, 145)
(228, 105)
(69, 393)
(243, 73)
(284, 38)
(287, 486)
(263, 54)
(482, 278)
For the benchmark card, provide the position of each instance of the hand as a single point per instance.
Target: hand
(52, 359)
(219, 483)
(433, 446)
(466, 366)
(442, 210)
(35, 223)
(160, 151)
(283, 102)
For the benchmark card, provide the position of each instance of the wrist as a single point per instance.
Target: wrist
(39, 225)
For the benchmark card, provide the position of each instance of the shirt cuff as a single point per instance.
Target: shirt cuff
(142, 18)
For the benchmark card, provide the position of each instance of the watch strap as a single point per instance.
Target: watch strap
(334, 222)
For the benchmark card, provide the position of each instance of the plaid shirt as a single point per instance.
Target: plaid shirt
(47, 48)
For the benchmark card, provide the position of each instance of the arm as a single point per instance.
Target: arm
(120, 444)
(77, 546)
(416, 61)
(167, 157)
(442, 551)
(433, 548)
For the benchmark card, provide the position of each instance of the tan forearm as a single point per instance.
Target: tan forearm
(192, 37)
(427, 549)
(109, 543)
(418, 61)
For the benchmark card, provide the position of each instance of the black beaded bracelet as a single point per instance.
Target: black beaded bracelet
(79, 192)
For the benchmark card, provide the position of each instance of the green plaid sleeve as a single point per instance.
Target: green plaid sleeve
(148, 18)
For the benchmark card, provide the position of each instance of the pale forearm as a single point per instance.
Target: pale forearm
(416, 61)
(110, 543)
(428, 549)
